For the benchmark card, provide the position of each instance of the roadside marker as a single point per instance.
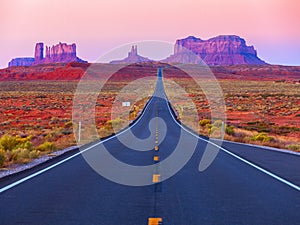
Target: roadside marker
(156, 148)
(156, 178)
(155, 221)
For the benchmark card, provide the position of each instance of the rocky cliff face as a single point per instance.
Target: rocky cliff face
(220, 50)
(21, 62)
(133, 57)
(61, 53)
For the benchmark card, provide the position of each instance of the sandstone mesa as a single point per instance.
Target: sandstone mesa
(60, 53)
(220, 50)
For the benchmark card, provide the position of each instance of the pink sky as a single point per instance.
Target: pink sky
(97, 26)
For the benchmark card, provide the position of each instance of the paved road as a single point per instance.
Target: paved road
(230, 191)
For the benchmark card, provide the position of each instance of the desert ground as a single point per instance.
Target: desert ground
(262, 105)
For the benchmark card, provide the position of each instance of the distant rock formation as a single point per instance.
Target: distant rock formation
(39, 52)
(21, 62)
(132, 57)
(60, 53)
(220, 50)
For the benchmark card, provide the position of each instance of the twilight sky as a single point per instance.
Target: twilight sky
(97, 26)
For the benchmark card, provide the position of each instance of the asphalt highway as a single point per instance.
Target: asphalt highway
(230, 191)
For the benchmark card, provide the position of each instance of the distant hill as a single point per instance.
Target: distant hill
(220, 50)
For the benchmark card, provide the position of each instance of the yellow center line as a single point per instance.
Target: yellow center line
(156, 178)
(156, 158)
(154, 221)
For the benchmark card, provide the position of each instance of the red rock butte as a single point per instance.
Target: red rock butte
(133, 57)
(60, 53)
(220, 50)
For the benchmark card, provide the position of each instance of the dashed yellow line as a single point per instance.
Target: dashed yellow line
(155, 221)
(156, 178)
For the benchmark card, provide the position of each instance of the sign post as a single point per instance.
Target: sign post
(79, 131)
(126, 104)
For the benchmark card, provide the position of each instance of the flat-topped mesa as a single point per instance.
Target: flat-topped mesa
(132, 57)
(220, 50)
(60, 53)
(26, 61)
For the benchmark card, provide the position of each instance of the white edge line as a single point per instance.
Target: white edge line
(236, 156)
(72, 156)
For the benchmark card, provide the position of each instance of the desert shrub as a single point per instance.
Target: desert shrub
(2, 157)
(66, 131)
(262, 137)
(104, 132)
(134, 111)
(229, 130)
(46, 146)
(213, 129)
(25, 145)
(294, 147)
(20, 154)
(54, 120)
(253, 122)
(34, 154)
(218, 123)
(116, 124)
(204, 122)
(8, 142)
(68, 124)
(216, 128)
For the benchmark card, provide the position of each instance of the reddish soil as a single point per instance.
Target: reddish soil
(30, 105)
